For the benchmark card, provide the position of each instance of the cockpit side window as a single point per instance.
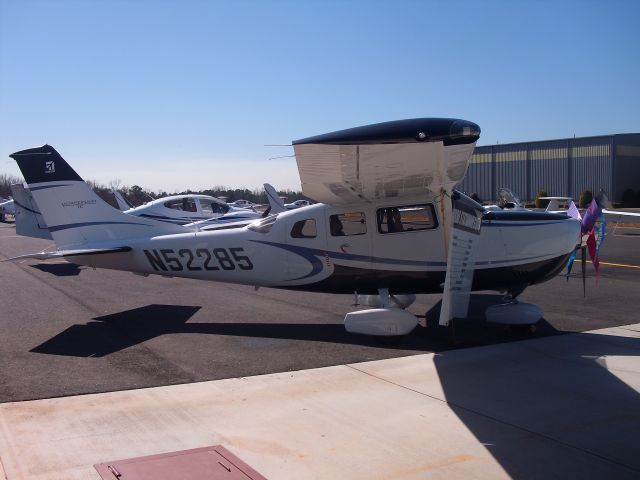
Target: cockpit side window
(406, 218)
(345, 224)
(186, 204)
(304, 229)
(189, 205)
(210, 207)
(174, 204)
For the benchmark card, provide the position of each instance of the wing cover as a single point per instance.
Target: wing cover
(388, 160)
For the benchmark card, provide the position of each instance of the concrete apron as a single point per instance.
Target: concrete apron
(563, 406)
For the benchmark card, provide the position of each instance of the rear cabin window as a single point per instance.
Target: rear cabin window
(346, 224)
(186, 204)
(407, 218)
(304, 229)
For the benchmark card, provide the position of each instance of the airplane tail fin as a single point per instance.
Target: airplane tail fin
(74, 214)
(276, 203)
(29, 221)
(121, 201)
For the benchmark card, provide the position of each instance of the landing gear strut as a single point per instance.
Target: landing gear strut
(512, 312)
(389, 320)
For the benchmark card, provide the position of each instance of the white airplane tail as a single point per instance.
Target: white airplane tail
(74, 214)
(276, 203)
(121, 201)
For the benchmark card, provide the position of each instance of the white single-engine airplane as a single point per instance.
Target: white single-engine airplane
(183, 209)
(29, 221)
(389, 226)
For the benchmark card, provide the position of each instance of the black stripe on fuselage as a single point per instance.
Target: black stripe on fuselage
(349, 279)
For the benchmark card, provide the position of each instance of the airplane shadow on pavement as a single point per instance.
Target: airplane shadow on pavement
(111, 333)
(60, 269)
(558, 409)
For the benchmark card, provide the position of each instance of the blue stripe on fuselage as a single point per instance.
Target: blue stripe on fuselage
(90, 224)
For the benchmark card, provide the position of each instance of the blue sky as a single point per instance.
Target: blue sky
(185, 94)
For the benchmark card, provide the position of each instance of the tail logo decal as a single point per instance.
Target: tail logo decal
(78, 203)
(49, 167)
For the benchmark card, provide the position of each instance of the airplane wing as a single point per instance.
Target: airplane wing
(622, 214)
(385, 160)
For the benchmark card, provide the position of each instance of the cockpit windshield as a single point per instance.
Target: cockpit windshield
(461, 197)
(507, 199)
(264, 224)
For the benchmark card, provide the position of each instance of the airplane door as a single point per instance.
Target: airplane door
(306, 238)
(409, 234)
(349, 240)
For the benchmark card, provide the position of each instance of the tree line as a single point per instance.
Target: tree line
(137, 195)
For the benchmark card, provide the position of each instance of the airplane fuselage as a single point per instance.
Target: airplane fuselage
(302, 249)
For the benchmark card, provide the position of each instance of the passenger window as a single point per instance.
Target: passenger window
(407, 218)
(189, 205)
(209, 207)
(206, 206)
(345, 224)
(174, 204)
(304, 229)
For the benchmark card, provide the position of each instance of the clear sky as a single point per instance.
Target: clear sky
(177, 94)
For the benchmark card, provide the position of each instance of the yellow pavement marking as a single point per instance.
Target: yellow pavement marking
(616, 264)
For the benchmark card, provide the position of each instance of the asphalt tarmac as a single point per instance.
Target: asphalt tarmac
(68, 330)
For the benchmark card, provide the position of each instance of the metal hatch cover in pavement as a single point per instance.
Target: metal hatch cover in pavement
(210, 463)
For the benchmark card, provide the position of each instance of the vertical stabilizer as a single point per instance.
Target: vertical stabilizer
(275, 202)
(74, 214)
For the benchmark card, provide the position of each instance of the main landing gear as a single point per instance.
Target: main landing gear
(388, 319)
(513, 313)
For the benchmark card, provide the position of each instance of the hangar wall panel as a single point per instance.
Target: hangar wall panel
(627, 164)
(549, 165)
(564, 167)
(478, 178)
(592, 165)
(511, 168)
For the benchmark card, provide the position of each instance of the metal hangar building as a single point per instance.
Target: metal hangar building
(564, 167)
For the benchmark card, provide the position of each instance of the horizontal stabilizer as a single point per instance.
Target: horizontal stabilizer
(70, 253)
(29, 221)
